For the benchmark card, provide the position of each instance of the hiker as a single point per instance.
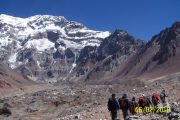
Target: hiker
(133, 105)
(141, 101)
(125, 105)
(163, 96)
(155, 99)
(148, 102)
(113, 106)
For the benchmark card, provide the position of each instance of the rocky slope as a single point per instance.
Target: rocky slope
(44, 47)
(124, 57)
(101, 63)
(160, 56)
(11, 80)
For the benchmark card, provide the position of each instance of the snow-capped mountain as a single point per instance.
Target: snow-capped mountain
(73, 34)
(41, 41)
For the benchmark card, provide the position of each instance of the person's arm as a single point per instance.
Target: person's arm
(108, 105)
(118, 104)
(128, 103)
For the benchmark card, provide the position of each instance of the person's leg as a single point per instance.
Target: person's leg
(112, 115)
(124, 114)
(115, 115)
(164, 100)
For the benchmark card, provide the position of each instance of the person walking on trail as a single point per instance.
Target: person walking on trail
(133, 105)
(125, 105)
(113, 106)
(155, 99)
(163, 96)
(141, 101)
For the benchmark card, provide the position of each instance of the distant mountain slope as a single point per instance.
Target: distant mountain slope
(10, 79)
(122, 57)
(100, 64)
(160, 56)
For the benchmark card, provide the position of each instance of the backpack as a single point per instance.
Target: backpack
(155, 98)
(113, 104)
(133, 106)
(124, 103)
(141, 101)
(148, 101)
(162, 95)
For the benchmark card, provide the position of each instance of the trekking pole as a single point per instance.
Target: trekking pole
(173, 98)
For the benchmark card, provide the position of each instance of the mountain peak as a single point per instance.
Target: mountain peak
(120, 32)
(46, 18)
(176, 25)
(10, 19)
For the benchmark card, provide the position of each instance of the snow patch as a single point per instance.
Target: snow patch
(74, 63)
(40, 44)
(102, 34)
(12, 20)
(72, 44)
(4, 41)
(12, 60)
(38, 64)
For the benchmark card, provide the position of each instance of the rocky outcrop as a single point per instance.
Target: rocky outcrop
(175, 111)
(5, 111)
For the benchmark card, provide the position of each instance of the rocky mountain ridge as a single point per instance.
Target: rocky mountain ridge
(158, 57)
(95, 63)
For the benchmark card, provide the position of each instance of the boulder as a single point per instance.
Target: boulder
(133, 118)
(5, 111)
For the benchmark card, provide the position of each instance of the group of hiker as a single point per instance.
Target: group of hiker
(129, 106)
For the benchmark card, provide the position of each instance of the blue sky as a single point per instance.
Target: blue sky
(141, 18)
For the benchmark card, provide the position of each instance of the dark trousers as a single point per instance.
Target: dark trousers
(163, 100)
(114, 115)
(125, 114)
